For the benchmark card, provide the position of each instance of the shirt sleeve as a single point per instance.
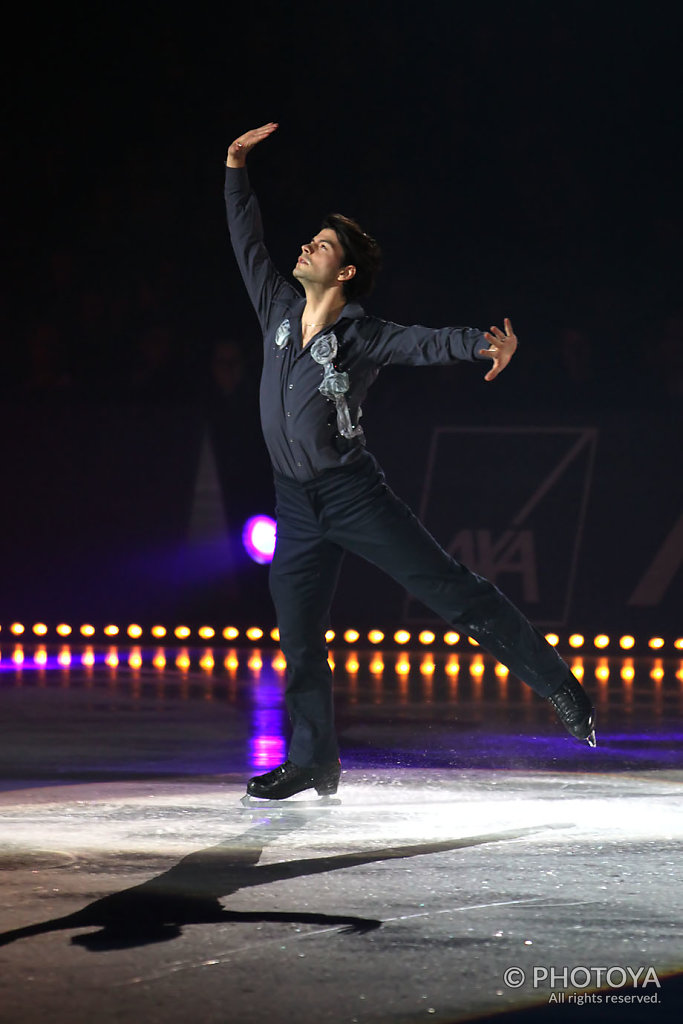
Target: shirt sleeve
(393, 344)
(265, 285)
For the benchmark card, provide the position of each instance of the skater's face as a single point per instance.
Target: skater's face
(321, 261)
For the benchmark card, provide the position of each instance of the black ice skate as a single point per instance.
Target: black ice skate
(289, 778)
(575, 710)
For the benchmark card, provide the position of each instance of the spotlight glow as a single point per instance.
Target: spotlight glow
(275, 634)
(182, 632)
(576, 640)
(426, 637)
(351, 636)
(602, 671)
(111, 630)
(477, 668)
(258, 538)
(63, 629)
(451, 638)
(627, 671)
(627, 642)
(87, 630)
(134, 631)
(207, 632)
(401, 636)
(159, 632)
(254, 633)
(656, 643)
(17, 628)
(601, 641)
(230, 633)
(375, 636)
(40, 629)
(553, 639)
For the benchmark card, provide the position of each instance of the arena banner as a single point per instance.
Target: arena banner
(581, 526)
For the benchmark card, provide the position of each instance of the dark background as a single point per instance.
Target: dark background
(517, 159)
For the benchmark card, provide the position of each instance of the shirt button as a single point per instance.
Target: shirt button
(291, 386)
(291, 440)
(299, 465)
(289, 414)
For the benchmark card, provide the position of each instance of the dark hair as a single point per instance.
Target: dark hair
(359, 249)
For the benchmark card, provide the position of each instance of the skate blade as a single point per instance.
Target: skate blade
(261, 804)
(590, 739)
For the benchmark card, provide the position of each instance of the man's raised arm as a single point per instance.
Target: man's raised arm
(263, 282)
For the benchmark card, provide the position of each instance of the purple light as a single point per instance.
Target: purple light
(267, 751)
(258, 537)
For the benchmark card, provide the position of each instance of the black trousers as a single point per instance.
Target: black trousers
(352, 509)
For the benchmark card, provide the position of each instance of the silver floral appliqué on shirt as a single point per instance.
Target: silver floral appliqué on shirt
(334, 384)
(283, 334)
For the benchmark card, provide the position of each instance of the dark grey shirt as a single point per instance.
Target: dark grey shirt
(305, 431)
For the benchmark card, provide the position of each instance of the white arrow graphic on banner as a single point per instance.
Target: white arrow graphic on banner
(662, 570)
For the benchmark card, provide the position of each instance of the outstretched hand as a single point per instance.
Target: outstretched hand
(502, 348)
(241, 147)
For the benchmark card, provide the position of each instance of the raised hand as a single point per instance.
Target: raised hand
(241, 147)
(502, 348)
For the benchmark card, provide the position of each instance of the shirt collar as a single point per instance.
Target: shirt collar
(352, 311)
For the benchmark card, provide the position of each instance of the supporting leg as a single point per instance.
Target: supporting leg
(303, 578)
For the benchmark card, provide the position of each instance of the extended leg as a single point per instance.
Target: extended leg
(375, 524)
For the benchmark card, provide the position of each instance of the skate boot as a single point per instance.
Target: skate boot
(575, 710)
(289, 778)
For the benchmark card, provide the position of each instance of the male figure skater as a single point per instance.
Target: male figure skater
(321, 354)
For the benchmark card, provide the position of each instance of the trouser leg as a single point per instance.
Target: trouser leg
(303, 577)
(369, 520)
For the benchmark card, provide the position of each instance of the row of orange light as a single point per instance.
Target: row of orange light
(351, 636)
(376, 665)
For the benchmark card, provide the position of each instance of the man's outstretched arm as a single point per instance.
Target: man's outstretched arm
(433, 346)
